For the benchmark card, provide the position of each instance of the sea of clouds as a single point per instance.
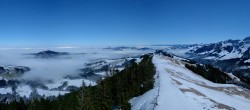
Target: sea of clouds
(57, 68)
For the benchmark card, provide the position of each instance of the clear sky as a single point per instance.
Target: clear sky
(115, 22)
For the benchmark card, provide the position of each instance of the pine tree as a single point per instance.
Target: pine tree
(80, 98)
(32, 105)
(105, 95)
(88, 102)
(59, 102)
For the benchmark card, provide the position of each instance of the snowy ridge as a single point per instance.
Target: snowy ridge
(148, 100)
(224, 50)
(177, 88)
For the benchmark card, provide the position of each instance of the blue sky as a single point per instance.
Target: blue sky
(122, 22)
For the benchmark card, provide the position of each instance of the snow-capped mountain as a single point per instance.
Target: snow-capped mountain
(128, 48)
(230, 55)
(223, 50)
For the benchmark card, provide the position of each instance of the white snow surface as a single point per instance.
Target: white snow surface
(247, 61)
(47, 93)
(177, 88)
(24, 90)
(71, 82)
(226, 55)
(5, 90)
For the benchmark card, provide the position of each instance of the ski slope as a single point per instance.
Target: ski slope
(177, 88)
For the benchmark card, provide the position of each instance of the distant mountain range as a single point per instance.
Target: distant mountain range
(128, 48)
(229, 55)
(223, 50)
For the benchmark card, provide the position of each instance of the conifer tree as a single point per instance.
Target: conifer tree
(80, 98)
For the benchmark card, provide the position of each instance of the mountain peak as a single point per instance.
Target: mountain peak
(247, 39)
(49, 54)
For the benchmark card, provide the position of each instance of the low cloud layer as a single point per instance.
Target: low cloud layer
(56, 68)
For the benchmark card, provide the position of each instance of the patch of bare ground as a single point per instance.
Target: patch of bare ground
(177, 82)
(230, 90)
(180, 75)
(222, 106)
(216, 104)
(173, 60)
(193, 91)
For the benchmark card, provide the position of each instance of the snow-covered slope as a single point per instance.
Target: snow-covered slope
(230, 55)
(177, 88)
(224, 50)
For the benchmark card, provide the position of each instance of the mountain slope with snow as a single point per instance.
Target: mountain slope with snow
(230, 55)
(223, 50)
(177, 88)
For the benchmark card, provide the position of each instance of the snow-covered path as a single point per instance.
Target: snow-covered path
(181, 89)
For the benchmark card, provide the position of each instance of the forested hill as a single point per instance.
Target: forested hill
(113, 92)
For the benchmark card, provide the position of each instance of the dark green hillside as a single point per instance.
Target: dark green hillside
(209, 72)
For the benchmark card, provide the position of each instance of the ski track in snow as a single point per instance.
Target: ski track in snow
(177, 88)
